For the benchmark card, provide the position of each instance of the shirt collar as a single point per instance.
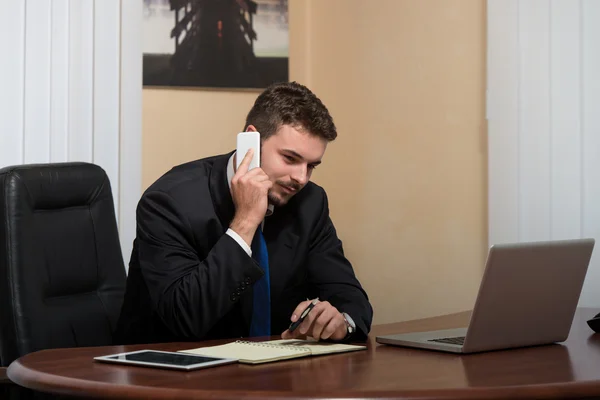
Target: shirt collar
(231, 172)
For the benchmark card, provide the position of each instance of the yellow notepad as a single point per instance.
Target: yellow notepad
(273, 350)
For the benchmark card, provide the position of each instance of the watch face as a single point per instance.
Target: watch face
(349, 322)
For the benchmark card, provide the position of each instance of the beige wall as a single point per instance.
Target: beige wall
(406, 178)
(184, 125)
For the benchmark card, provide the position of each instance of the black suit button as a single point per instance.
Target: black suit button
(238, 292)
(243, 285)
(233, 297)
(248, 281)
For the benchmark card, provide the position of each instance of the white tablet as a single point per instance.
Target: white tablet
(165, 359)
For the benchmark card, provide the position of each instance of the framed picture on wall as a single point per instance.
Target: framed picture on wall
(215, 43)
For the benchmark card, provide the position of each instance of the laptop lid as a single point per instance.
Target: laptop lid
(527, 296)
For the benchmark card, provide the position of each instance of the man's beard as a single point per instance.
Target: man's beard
(279, 201)
(275, 200)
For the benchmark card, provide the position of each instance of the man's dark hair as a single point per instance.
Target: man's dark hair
(291, 103)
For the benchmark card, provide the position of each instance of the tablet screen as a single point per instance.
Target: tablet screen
(163, 358)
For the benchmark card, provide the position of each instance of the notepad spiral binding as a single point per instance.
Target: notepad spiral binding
(273, 346)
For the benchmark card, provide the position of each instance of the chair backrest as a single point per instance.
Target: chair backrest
(62, 277)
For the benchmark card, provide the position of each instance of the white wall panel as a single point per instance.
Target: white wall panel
(71, 90)
(107, 27)
(565, 119)
(558, 104)
(59, 81)
(81, 80)
(131, 121)
(37, 81)
(12, 45)
(502, 99)
(591, 143)
(534, 121)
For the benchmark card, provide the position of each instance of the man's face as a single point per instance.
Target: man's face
(289, 157)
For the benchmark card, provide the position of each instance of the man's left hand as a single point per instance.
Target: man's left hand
(324, 321)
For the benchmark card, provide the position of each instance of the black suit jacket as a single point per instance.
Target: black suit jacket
(188, 280)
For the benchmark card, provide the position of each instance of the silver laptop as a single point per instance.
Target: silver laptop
(528, 296)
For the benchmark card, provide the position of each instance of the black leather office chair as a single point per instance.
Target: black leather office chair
(62, 277)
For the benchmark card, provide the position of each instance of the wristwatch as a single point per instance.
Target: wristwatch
(350, 325)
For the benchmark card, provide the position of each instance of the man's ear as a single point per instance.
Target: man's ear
(252, 128)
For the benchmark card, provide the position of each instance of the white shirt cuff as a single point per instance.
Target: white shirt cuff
(240, 241)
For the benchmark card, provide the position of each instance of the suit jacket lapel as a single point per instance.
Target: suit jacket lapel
(219, 191)
(282, 242)
(225, 209)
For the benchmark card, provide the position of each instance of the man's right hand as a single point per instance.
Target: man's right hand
(249, 190)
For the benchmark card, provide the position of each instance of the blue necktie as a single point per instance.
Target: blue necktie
(261, 311)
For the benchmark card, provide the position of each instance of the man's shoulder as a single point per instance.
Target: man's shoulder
(310, 195)
(190, 174)
(312, 190)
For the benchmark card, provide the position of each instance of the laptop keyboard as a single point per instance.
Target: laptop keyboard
(452, 340)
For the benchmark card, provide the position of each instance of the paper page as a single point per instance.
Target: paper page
(316, 347)
(250, 352)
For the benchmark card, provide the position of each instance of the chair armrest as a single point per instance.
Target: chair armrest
(3, 377)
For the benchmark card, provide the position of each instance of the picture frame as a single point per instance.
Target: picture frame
(227, 44)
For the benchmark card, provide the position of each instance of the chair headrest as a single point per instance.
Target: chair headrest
(57, 185)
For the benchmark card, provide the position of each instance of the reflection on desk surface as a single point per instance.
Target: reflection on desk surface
(401, 368)
(551, 363)
(519, 366)
(336, 373)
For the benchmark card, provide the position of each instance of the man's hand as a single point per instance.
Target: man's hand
(249, 190)
(324, 321)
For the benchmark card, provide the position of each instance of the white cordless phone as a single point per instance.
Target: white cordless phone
(246, 141)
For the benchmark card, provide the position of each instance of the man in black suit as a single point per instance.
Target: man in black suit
(194, 272)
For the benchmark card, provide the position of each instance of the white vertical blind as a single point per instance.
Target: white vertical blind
(59, 81)
(590, 159)
(71, 85)
(543, 106)
(534, 124)
(503, 116)
(565, 120)
(12, 72)
(81, 80)
(36, 135)
(107, 27)
(131, 120)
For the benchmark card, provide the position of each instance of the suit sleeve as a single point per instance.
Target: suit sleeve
(332, 274)
(189, 291)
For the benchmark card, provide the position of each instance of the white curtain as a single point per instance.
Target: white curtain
(543, 110)
(70, 90)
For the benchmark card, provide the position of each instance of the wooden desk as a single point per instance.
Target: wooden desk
(3, 377)
(546, 372)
